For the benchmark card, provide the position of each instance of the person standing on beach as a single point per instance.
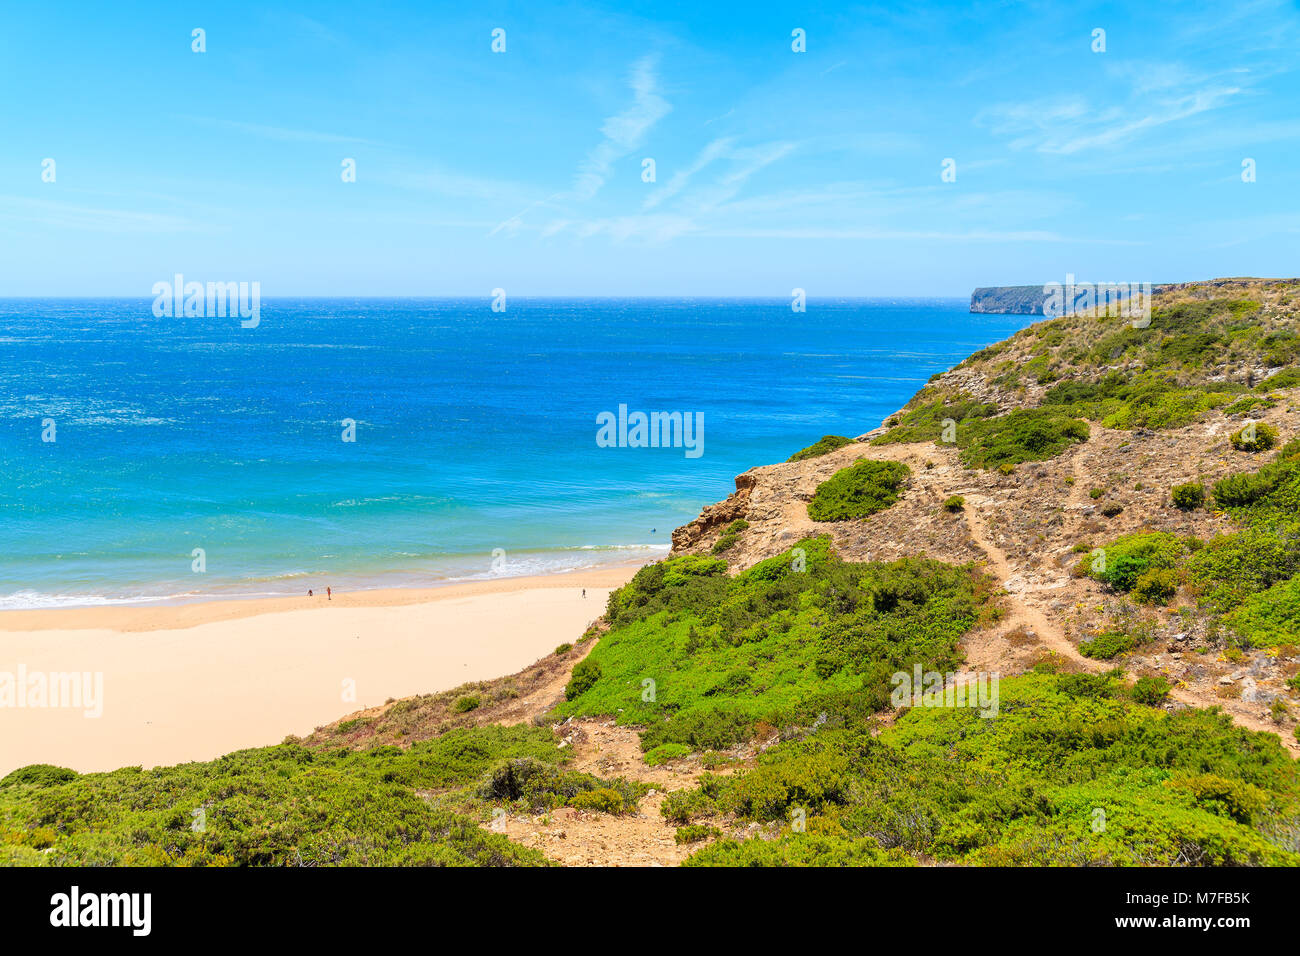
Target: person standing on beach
(309, 594)
(584, 592)
(329, 594)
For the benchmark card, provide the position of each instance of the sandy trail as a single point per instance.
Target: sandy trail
(1021, 613)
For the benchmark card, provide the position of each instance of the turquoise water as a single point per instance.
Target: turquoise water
(475, 431)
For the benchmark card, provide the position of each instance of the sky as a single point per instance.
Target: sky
(525, 169)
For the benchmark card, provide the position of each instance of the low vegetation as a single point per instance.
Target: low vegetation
(287, 805)
(1076, 770)
(858, 491)
(827, 444)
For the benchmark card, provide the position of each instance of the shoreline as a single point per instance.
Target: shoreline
(182, 683)
(127, 618)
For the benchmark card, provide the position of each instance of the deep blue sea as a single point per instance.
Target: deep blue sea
(475, 431)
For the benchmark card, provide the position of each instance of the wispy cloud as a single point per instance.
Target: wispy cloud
(715, 150)
(624, 131)
(1071, 124)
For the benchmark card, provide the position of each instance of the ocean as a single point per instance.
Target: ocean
(195, 459)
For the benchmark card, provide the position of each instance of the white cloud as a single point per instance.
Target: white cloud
(623, 131)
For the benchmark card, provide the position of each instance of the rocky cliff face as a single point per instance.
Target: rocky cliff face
(1009, 299)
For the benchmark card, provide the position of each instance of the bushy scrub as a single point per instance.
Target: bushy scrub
(666, 752)
(1287, 378)
(1151, 399)
(1151, 691)
(695, 833)
(538, 785)
(1122, 562)
(1229, 568)
(799, 850)
(1188, 496)
(925, 417)
(1156, 586)
(702, 661)
(585, 674)
(946, 784)
(1107, 645)
(1257, 436)
(1244, 489)
(954, 504)
(826, 445)
(859, 491)
(730, 535)
(602, 799)
(1270, 617)
(1031, 434)
(272, 806)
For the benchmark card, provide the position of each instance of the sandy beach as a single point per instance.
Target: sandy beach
(191, 682)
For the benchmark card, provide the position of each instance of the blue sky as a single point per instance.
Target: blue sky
(523, 169)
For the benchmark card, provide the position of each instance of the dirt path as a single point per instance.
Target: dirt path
(587, 838)
(984, 652)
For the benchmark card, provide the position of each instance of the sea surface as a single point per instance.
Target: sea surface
(475, 451)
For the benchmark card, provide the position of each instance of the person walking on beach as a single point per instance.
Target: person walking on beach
(309, 594)
(584, 592)
(329, 594)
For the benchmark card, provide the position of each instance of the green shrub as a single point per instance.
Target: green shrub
(1127, 558)
(695, 832)
(1150, 691)
(1188, 496)
(1029, 434)
(682, 806)
(38, 775)
(827, 444)
(730, 535)
(543, 786)
(563, 649)
(1156, 586)
(664, 753)
(602, 799)
(1257, 436)
(277, 806)
(861, 490)
(924, 421)
(465, 704)
(1246, 488)
(1287, 378)
(1270, 617)
(1095, 493)
(1229, 568)
(585, 675)
(954, 503)
(1230, 798)
(1105, 646)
